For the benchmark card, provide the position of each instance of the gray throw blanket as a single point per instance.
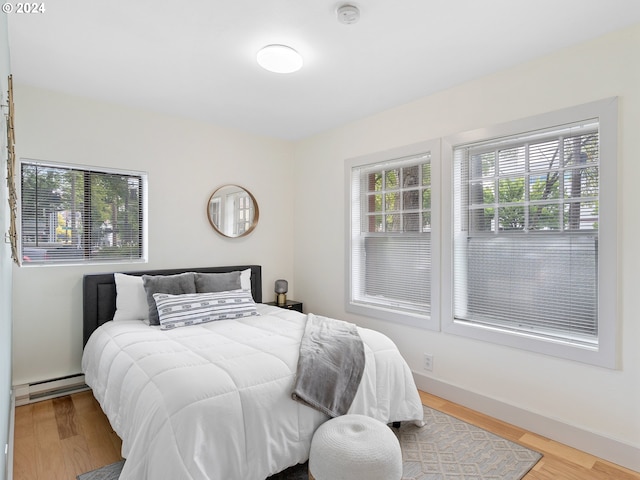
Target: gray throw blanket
(330, 365)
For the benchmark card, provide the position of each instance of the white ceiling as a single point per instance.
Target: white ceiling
(196, 58)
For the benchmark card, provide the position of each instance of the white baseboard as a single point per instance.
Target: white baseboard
(601, 446)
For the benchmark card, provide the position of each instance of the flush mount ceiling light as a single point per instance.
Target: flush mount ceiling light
(279, 59)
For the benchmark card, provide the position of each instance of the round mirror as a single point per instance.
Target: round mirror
(232, 211)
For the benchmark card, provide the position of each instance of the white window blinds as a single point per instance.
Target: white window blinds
(391, 235)
(75, 215)
(525, 239)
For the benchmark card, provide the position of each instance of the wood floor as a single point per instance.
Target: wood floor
(59, 439)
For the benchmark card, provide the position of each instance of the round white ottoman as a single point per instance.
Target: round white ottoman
(354, 447)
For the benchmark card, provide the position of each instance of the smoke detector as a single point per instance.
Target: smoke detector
(348, 14)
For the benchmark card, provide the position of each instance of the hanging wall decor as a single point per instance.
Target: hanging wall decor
(11, 164)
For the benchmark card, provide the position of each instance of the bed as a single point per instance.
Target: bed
(213, 401)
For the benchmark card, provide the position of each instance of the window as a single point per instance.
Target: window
(243, 212)
(74, 214)
(391, 200)
(533, 234)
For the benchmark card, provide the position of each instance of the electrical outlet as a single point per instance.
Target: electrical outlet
(428, 362)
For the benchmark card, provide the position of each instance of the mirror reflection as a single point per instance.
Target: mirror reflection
(232, 211)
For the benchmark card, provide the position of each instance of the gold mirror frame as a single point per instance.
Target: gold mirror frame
(232, 211)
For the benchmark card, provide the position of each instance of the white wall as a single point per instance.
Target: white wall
(5, 265)
(186, 162)
(588, 399)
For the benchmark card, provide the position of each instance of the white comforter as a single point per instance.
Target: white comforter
(213, 401)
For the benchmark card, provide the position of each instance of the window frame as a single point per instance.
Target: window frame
(431, 321)
(605, 354)
(143, 258)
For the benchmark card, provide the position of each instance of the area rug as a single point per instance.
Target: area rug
(444, 449)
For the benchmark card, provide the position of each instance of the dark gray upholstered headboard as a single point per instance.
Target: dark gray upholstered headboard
(99, 292)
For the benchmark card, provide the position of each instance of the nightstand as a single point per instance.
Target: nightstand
(290, 305)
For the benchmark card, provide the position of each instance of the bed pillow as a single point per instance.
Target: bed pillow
(131, 298)
(192, 309)
(245, 279)
(217, 282)
(172, 284)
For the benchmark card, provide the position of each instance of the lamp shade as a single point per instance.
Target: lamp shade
(282, 286)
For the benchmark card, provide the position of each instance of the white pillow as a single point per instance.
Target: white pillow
(194, 308)
(245, 279)
(131, 298)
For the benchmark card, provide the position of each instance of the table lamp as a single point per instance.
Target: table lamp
(281, 291)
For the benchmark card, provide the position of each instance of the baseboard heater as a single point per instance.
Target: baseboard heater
(46, 389)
